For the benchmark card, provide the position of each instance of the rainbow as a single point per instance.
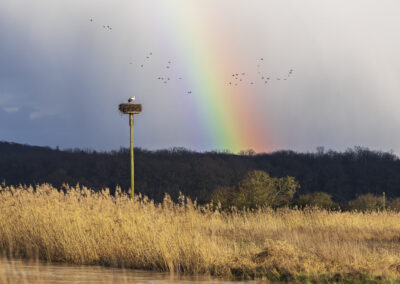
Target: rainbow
(230, 120)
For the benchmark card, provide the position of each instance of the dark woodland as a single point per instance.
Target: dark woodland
(343, 175)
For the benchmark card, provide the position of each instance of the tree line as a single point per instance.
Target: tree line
(344, 176)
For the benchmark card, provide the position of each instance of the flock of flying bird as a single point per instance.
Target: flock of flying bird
(236, 78)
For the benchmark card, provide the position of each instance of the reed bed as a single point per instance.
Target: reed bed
(77, 225)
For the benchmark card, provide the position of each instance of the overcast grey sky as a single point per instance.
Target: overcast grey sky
(62, 76)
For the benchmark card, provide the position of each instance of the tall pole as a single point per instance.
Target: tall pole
(132, 157)
(131, 109)
(384, 200)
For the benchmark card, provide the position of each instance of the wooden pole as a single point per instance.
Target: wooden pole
(131, 109)
(132, 157)
(384, 200)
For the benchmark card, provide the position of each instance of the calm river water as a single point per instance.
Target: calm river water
(20, 271)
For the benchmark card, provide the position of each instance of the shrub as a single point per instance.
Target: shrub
(222, 195)
(394, 204)
(367, 202)
(316, 199)
(257, 189)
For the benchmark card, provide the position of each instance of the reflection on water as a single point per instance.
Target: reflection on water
(19, 271)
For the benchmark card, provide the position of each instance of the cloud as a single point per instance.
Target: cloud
(34, 115)
(39, 114)
(10, 109)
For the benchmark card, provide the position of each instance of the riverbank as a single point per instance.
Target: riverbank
(82, 227)
(40, 272)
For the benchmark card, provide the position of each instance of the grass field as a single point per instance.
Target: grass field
(83, 227)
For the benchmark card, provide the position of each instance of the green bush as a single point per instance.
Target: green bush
(257, 189)
(316, 199)
(367, 202)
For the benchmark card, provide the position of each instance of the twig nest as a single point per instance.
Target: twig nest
(130, 108)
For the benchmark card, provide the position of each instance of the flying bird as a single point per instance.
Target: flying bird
(131, 100)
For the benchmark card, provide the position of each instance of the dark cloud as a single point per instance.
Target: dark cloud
(62, 77)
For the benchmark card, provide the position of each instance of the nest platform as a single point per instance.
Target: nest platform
(130, 108)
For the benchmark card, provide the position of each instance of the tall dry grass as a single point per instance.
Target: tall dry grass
(83, 227)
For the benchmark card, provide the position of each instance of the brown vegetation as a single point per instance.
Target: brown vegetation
(130, 108)
(83, 227)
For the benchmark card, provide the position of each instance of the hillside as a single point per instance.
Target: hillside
(343, 175)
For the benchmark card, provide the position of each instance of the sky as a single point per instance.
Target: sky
(66, 65)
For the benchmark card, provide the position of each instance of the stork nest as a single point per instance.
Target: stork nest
(130, 108)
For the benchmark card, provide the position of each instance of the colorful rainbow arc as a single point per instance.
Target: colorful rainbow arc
(229, 121)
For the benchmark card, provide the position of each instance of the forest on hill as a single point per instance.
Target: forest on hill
(343, 175)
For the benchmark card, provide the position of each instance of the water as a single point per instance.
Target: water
(20, 271)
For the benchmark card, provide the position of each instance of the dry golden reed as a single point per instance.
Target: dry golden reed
(82, 227)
